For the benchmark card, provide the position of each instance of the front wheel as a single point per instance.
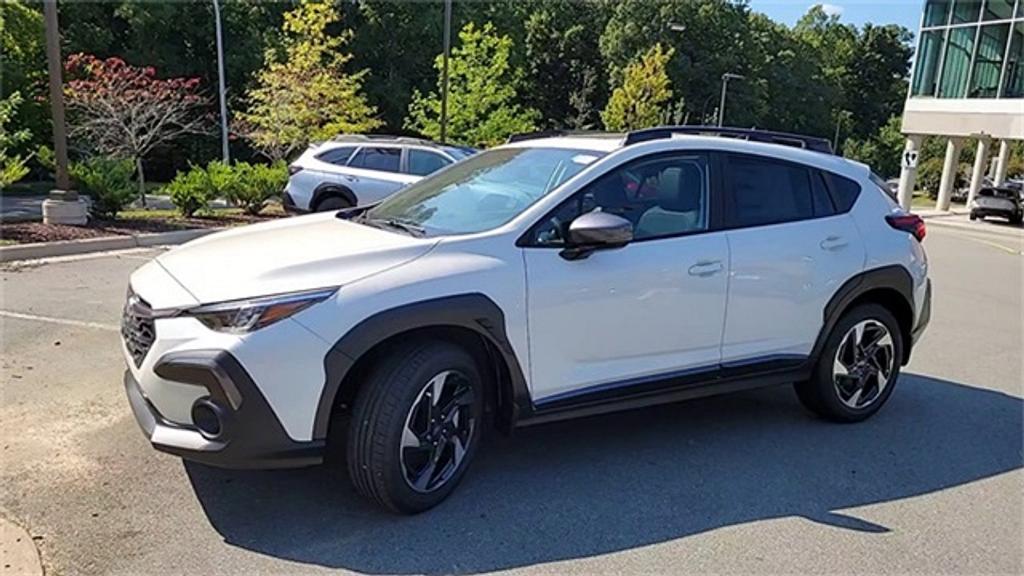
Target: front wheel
(858, 366)
(416, 426)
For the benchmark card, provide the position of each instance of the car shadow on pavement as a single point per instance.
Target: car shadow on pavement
(605, 484)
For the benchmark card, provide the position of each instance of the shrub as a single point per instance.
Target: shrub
(108, 181)
(257, 183)
(191, 191)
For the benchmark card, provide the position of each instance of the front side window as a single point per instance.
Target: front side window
(382, 159)
(484, 191)
(661, 197)
(422, 162)
(764, 191)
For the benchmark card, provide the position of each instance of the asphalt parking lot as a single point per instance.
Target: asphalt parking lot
(740, 484)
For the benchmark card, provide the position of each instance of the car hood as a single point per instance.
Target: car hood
(288, 255)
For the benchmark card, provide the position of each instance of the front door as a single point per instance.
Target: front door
(627, 316)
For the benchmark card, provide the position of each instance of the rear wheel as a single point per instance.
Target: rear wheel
(332, 203)
(858, 366)
(416, 426)
(973, 216)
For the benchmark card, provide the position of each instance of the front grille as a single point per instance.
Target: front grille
(137, 327)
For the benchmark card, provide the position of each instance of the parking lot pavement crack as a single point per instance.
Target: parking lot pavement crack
(60, 321)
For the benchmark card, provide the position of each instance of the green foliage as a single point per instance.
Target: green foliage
(24, 71)
(929, 175)
(882, 151)
(305, 94)
(191, 191)
(640, 101)
(483, 84)
(108, 181)
(257, 183)
(12, 167)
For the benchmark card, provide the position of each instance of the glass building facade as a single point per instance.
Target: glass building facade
(970, 49)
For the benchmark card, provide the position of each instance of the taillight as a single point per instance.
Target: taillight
(910, 223)
(293, 169)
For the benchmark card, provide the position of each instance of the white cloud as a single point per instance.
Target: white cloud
(832, 9)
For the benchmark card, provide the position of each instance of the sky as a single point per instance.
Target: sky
(903, 12)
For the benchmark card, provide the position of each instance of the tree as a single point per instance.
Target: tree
(563, 64)
(24, 72)
(123, 110)
(12, 167)
(303, 92)
(882, 151)
(482, 108)
(640, 101)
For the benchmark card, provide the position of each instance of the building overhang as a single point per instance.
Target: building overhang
(969, 118)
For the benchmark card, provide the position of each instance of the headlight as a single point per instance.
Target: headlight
(241, 316)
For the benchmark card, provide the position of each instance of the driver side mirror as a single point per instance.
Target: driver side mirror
(596, 231)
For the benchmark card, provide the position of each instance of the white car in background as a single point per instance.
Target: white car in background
(353, 170)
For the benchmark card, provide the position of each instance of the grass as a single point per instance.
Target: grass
(923, 201)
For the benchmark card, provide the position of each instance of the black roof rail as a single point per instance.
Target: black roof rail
(752, 134)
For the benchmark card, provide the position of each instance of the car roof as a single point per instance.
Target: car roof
(610, 142)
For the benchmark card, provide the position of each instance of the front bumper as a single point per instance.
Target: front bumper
(249, 435)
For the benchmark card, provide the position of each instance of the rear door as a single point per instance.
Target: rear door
(790, 250)
(422, 162)
(375, 172)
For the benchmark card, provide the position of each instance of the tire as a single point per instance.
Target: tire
(973, 216)
(833, 395)
(385, 463)
(1016, 220)
(332, 202)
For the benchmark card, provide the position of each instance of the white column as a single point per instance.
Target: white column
(978, 175)
(908, 172)
(1002, 163)
(949, 170)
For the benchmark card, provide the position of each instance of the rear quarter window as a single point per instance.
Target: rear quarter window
(844, 191)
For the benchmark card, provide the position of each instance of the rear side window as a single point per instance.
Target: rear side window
(382, 159)
(422, 162)
(336, 156)
(845, 191)
(764, 191)
(823, 205)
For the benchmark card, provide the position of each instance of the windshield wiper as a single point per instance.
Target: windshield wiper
(409, 228)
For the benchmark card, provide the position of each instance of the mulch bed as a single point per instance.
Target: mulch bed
(27, 232)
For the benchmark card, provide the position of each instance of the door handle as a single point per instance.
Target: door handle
(706, 268)
(350, 178)
(833, 243)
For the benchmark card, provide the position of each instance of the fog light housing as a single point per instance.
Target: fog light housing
(209, 418)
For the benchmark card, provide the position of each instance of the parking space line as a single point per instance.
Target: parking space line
(61, 321)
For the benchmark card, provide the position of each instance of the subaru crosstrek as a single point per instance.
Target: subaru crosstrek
(551, 277)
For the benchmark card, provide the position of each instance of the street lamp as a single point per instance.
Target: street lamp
(221, 91)
(725, 87)
(444, 69)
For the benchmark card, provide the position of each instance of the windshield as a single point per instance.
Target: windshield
(482, 192)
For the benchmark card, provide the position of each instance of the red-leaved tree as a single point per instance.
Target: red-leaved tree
(122, 110)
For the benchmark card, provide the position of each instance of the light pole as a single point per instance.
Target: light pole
(63, 206)
(221, 90)
(725, 87)
(444, 69)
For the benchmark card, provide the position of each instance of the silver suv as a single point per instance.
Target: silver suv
(351, 170)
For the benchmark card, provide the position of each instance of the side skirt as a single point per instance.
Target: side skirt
(665, 389)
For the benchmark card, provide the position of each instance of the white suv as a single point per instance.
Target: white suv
(544, 279)
(357, 169)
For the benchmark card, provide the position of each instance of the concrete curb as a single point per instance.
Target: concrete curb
(18, 551)
(84, 246)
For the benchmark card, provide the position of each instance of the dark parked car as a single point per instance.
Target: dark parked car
(1002, 202)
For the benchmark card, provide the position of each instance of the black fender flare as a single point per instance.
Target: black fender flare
(895, 278)
(475, 312)
(331, 189)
